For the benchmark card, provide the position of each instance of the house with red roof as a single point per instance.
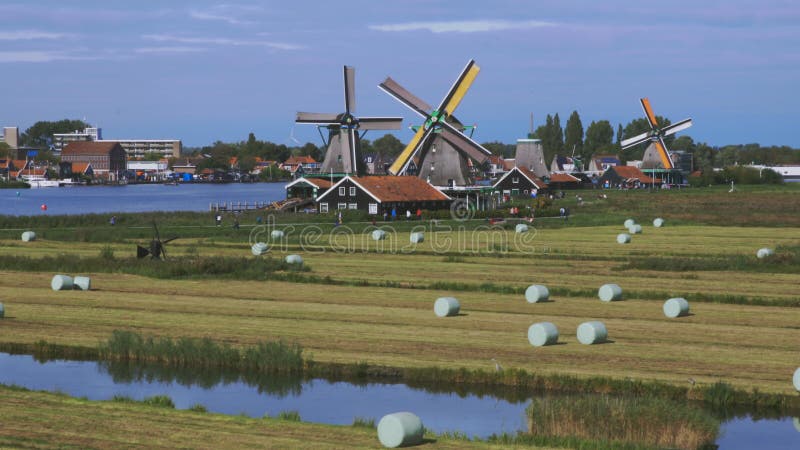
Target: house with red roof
(108, 158)
(519, 181)
(306, 164)
(379, 194)
(626, 176)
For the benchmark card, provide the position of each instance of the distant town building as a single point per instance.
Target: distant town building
(626, 176)
(108, 159)
(11, 136)
(601, 163)
(305, 164)
(134, 148)
(87, 134)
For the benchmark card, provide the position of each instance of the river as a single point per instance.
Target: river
(134, 198)
(329, 402)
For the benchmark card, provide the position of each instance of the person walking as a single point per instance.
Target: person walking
(419, 214)
(408, 214)
(394, 214)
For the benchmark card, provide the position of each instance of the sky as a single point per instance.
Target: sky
(203, 71)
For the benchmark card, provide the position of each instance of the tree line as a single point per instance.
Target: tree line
(599, 137)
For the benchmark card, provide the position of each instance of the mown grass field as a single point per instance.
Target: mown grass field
(347, 314)
(64, 422)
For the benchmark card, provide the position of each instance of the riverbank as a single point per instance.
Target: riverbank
(71, 422)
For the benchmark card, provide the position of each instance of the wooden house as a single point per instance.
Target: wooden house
(519, 181)
(626, 176)
(379, 194)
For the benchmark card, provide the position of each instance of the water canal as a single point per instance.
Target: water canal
(331, 402)
(134, 198)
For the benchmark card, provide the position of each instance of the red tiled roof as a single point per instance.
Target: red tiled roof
(496, 160)
(400, 189)
(89, 148)
(563, 178)
(532, 176)
(634, 173)
(80, 167)
(299, 160)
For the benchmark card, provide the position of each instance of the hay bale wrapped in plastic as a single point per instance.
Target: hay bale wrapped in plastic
(61, 282)
(294, 259)
(446, 306)
(623, 238)
(82, 283)
(593, 332)
(610, 292)
(521, 228)
(28, 236)
(400, 429)
(635, 229)
(764, 253)
(795, 378)
(629, 223)
(2, 311)
(676, 307)
(537, 293)
(276, 234)
(658, 222)
(378, 235)
(259, 248)
(417, 237)
(542, 333)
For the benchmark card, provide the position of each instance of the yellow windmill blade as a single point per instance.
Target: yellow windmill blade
(648, 111)
(666, 161)
(405, 156)
(460, 88)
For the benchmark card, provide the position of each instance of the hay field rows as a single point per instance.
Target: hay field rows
(745, 345)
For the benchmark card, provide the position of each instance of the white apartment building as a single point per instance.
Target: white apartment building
(134, 148)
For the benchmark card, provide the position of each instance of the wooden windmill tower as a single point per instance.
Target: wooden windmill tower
(439, 144)
(656, 154)
(343, 153)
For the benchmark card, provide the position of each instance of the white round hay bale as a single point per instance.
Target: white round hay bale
(417, 237)
(446, 306)
(294, 259)
(610, 292)
(592, 332)
(676, 307)
(542, 333)
(537, 293)
(635, 229)
(629, 223)
(658, 222)
(795, 378)
(400, 429)
(276, 234)
(2, 311)
(521, 228)
(623, 238)
(82, 283)
(259, 248)
(28, 236)
(61, 282)
(764, 253)
(378, 235)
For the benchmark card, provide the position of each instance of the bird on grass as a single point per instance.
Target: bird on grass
(497, 366)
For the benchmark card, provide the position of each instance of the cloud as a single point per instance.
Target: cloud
(39, 56)
(202, 15)
(29, 35)
(464, 26)
(169, 49)
(220, 41)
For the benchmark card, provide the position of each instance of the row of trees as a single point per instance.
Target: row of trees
(598, 138)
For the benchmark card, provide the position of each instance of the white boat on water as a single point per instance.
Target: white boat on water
(43, 183)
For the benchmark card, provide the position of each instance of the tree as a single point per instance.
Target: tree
(388, 145)
(500, 149)
(558, 137)
(40, 134)
(619, 134)
(152, 156)
(573, 134)
(599, 137)
(5, 150)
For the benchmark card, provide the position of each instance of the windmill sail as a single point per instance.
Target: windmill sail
(656, 153)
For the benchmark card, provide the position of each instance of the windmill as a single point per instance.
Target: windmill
(657, 147)
(156, 249)
(440, 144)
(343, 153)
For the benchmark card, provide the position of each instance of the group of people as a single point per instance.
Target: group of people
(393, 214)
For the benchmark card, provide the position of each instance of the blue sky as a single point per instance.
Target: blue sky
(203, 71)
